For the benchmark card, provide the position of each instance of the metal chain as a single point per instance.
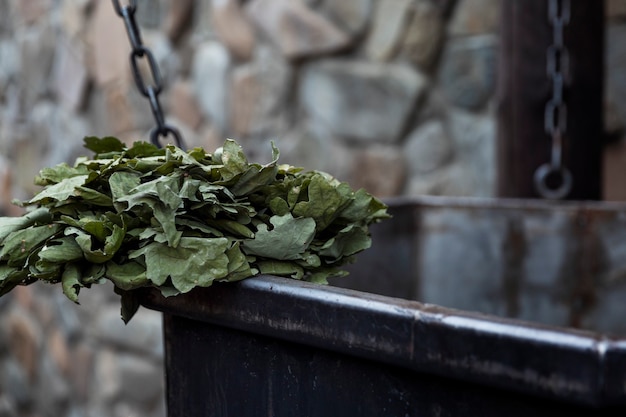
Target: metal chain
(150, 91)
(553, 180)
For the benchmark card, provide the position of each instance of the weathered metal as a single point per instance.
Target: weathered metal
(270, 346)
(555, 263)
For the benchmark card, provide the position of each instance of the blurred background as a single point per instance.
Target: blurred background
(397, 96)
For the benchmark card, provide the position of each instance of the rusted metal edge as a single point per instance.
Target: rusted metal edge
(562, 364)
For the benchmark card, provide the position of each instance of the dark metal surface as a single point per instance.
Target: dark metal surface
(524, 88)
(530, 360)
(219, 371)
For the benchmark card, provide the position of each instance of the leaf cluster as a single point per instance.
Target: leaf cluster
(175, 220)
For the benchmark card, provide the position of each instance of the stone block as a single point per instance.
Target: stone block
(389, 21)
(179, 19)
(9, 64)
(475, 17)
(74, 17)
(233, 28)
(259, 94)
(474, 139)
(25, 340)
(296, 29)
(351, 16)
(166, 56)
(381, 170)
(33, 11)
(365, 101)
(71, 78)
(209, 138)
(430, 183)
(7, 407)
(183, 105)
(81, 371)
(141, 381)
(119, 109)
(59, 351)
(427, 148)
(424, 35)
(106, 385)
(142, 334)
(15, 383)
(37, 45)
(302, 147)
(468, 71)
(6, 18)
(210, 75)
(110, 46)
(6, 188)
(52, 391)
(151, 13)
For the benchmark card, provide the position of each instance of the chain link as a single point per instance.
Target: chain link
(553, 180)
(150, 91)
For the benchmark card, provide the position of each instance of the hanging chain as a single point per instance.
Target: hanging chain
(150, 91)
(553, 180)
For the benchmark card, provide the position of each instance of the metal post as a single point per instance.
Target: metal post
(525, 88)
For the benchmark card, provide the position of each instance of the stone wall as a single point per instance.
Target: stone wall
(393, 95)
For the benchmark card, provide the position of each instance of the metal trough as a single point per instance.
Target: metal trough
(270, 346)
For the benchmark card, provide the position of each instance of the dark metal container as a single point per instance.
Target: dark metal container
(270, 346)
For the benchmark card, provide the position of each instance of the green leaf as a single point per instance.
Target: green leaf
(233, 159)
(61, 250)
(104, 145)
(288, 239)
(122, 182)
(364, 209)
(279, 206)
(232, 227)
(10, 277)
(70, 281)
(59, 173)
(143, 150)
(175, 220)
(18, 245)
(196, 262)
(284, 269)
(44, 270)
(253, 179)
(130, 304)
(127, 276)
(111, 244)
(9, 225)
(189, 190)
(202, 227)
(348, 241)
(325, 200)
(321, 276)
(92, 274)
(60, 191)
(238, 266)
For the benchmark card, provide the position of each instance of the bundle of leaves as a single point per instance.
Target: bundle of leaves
(175, 220)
